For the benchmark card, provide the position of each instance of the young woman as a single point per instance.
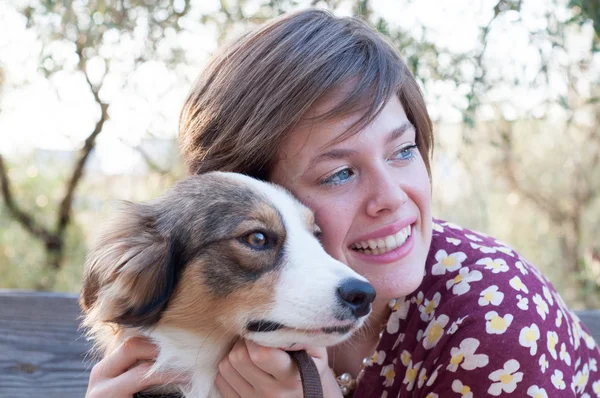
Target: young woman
(326, 107)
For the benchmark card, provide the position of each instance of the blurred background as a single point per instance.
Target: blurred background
(90, 92)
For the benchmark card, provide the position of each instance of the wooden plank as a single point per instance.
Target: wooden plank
(42, 353)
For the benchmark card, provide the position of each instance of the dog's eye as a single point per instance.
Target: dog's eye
(256, 239)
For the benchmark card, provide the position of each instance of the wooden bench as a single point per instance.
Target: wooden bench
(42, 353)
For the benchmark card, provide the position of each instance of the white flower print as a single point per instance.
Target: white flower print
(432, 395)
(580, 379)
(453, 226)
(456, 324)
(491, 295)
(505, 250)
(389, 373)
(593, 365)
(496, 324)
(596, 388)
(399, 311)
(465, 357)
(541, 306)
(405, 357)
(557, 380)
(551, 342)
(506, 379)
(399, 340)
(543, 363)
(559, 318)
(495, 265)
(529, 336)
(460, 283)
(473, 238)
(521, 268)
(523, 302)
(427, 310)
(435, 331)
(437, 227)
(547, 295)
(483, 249)
(411, 375)
(564, 354)
(590, 343)
(536, 392)
(518, 285)
(418, 299)
(453, 241)
(378, 357)
(459, 387)
(433, 376)
(447, 262)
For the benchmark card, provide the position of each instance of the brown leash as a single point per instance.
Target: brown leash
(309, 374)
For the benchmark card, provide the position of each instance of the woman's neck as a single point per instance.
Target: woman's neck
(348, 356)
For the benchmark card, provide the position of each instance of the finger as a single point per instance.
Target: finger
(138, 379)
(234, 379)
(125, 356)
(242, 362)
(224, 388)
(273, 361)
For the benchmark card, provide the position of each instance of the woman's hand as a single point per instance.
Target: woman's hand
(253, 371)
(121, 373)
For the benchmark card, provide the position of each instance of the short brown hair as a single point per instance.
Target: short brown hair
(253, 92)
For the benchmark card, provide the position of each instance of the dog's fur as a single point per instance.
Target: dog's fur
(183, 271)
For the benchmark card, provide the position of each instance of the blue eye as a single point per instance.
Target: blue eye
(406, 153)
(338, 178)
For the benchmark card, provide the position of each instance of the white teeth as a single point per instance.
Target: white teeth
(384, 244)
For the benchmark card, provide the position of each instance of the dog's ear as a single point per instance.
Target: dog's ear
(132, 270)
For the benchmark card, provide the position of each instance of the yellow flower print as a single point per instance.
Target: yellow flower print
(399, 311)
(447, 262)
(495, 265)
(580, 379)
(464, 391)
(518, 285)
(427, 310)
(491, 295)
(541, 306)
(422, 377)
(460, 283)
(505, 379)
(405, 357)
(529, 336)
(456, 324)
(543, 362)
(432, 395)
(557, 380)
(418, 299)
(435, 331)
(453, 241)
(564, 354)
(465, 357)
(536, 392)
(547, 295)
(389, 373)
(551, 342)
(378, 357)
(411, 375)
(521, 268)
(496, 324)
(523, 302)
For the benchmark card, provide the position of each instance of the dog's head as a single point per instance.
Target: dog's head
(223, 254)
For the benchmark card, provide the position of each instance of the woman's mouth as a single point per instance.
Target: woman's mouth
(384, 244)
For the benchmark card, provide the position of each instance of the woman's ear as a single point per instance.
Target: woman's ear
(132, 270)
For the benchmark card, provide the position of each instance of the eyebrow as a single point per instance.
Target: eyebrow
(336, 154)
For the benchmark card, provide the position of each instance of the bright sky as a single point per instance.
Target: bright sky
(59, 113)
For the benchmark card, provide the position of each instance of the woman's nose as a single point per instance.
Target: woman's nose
(386, 194)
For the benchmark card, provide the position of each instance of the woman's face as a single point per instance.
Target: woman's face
(368, 192)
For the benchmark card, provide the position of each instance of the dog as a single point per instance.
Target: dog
(218, 257)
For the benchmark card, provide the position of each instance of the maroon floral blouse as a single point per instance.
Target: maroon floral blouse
(484, 322)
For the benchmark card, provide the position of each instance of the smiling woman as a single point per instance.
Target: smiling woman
(326, 108)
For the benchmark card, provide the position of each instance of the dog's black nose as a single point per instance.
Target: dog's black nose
(357, 296)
